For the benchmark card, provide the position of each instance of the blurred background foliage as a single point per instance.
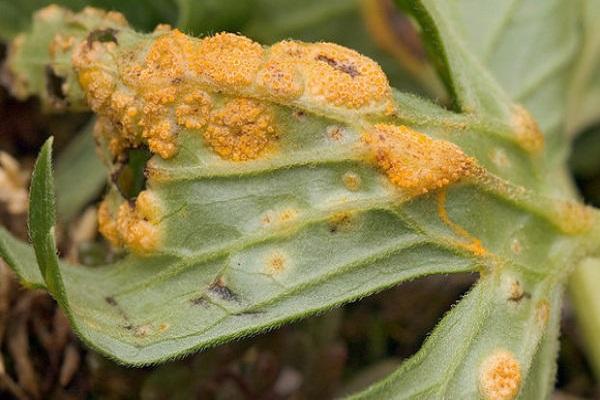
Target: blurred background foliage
(338, 352)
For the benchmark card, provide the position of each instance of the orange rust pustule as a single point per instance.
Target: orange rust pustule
(500, 376)
(529, 135)
(276, 263)
(226, 60)
(415, 162)
(241, 130)
(133, 227)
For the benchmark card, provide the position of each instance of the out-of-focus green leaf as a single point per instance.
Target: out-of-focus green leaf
(15, 15)
(585, 295)
(585, 156)
(80, 175)
(213, 16)
(584, 95)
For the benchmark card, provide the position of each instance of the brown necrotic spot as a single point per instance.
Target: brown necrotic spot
(199, 301)
(345, 67)
(340, 222)
(111, 301)
(220, 289)
(516, 293)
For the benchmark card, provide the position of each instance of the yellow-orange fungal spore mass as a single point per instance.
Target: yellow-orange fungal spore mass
(194, 110)
(340, 222)
(276, 263)
(226, 60)
(352, 181)
(134, 227)
(415, 162)
(241, 130)
(574, 218)
(500, 376)
(137, 234)
(542, 310)
(107, 225)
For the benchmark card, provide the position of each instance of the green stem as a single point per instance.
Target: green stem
(585, 296)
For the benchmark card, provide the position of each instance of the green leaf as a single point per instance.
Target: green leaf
(211, 16)
(451, 364)
(471, 85)
(528, 46)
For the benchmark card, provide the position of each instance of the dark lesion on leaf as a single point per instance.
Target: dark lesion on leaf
(220, 289)
(344, 67)
(102, 36)
(516, 292)
(111, 301)
(518, 298)
(199, 301)
(250, 312)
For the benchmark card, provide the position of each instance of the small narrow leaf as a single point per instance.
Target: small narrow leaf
(42, 219)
